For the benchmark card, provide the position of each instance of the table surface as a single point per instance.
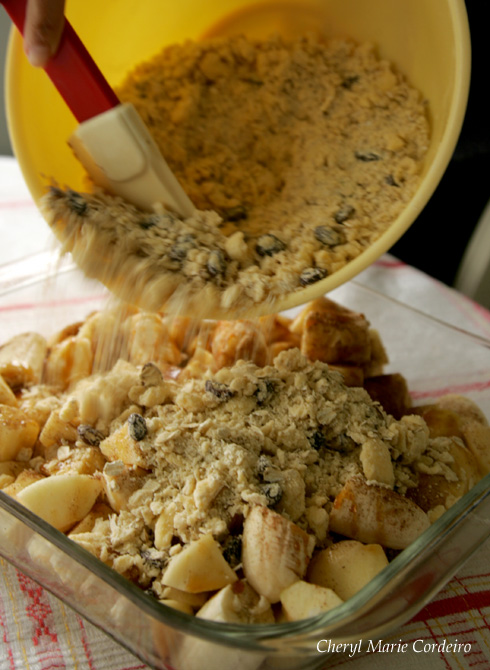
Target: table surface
(38, 631)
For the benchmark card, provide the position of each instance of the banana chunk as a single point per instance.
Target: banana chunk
(275, 552)
(376, 515)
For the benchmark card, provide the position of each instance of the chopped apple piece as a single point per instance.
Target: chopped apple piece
(22, 360)
(302, 600)
(346, 566)
(199, 567)
(7, 396)
(17, 432)
(61, 500)
(120, 446)
(237, 603)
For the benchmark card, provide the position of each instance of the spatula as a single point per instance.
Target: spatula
(111, 141)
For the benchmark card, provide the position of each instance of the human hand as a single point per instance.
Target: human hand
(42, 29)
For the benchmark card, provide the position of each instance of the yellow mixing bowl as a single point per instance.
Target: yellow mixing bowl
(427, 39)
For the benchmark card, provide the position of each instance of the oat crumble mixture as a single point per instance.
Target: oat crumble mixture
(297, 155)
(189, 429)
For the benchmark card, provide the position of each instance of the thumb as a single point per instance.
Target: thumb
(42, 30)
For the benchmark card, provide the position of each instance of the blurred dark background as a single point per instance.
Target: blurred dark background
(436, 241)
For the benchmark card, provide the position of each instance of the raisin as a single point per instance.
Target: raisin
(348, 82)
(90, 435)
(149, 221)
(328, 236)
(342, 443)
(268, 245)
(312, 275)
(265, 388)
(232, 551)
(182, 246)
(273, 493)
(220, 391)
(237, 213)
(137, 427)
(56, 192)
(216, 264)
(344, 213)
(253, 80)
(367, 156)
(151, 375)
(141, 253)
(317, 440)
(390, 180)
(152, 560)
(77, 203)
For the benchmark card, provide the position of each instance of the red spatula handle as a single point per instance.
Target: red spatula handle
(72, 70)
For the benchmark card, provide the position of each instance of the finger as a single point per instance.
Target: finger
(42, 29)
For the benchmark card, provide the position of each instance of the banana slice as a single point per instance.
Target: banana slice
(376, 515)
(275, 552)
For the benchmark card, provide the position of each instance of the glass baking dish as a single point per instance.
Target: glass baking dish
(36, 294)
